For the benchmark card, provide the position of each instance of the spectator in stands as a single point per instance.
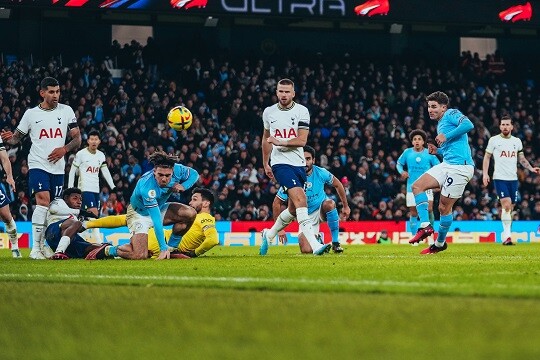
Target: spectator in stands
(228, 97)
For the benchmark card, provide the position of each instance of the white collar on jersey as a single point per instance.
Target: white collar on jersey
(286, 108)
(41, 108)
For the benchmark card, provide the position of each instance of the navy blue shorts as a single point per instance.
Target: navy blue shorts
(289, 176)
(507, 189)
(4, 196)
(76, 248)
(90, 200)
(40, 180)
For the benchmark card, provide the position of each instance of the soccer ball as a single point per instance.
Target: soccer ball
(179, 118)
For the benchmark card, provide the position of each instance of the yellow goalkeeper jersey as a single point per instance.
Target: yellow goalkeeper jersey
(201, 236)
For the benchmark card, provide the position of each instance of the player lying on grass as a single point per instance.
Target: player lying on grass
(62, 232)
(320, 207)
(201, 236)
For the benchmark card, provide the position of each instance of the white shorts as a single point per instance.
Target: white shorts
(410, 198)
(141, 224)
(452, 178)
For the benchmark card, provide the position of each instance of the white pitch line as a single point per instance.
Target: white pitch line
(173, 278)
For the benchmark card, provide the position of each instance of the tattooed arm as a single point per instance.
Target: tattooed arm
(74, 144)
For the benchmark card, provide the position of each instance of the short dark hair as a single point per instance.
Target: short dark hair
(439, 97)
(70, 191)
(310, 150)
(508, 117)
(286, 82)
(48, 81)
(161, 159)
(205, 194)
(93, 133)
(415, 132)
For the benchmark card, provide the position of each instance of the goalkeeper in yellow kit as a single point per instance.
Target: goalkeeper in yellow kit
(201, 236)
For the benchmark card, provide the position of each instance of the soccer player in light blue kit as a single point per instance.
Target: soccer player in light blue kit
(417, 160)
(149, 208)
(451, 176)
(320, 207)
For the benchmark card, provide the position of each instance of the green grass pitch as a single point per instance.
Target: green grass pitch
(478, 301)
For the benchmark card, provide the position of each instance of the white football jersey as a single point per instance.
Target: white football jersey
(88, 165)
(59, 210)
(505, 154)
(284, 124)
(48, 130)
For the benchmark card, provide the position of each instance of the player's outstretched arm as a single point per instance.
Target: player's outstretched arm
(346, 210)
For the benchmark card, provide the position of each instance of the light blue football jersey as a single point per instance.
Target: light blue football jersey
(417, 164)
(455, 150)
(148, 193)
(314, 188)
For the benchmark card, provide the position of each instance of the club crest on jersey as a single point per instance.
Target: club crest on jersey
(285, 133)
(51, 133)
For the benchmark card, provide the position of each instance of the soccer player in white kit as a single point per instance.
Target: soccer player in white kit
(286, 129)
(506, 151)
(87, 165)
(48, 126)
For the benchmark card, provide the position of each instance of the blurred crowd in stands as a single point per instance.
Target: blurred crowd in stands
(362, 111)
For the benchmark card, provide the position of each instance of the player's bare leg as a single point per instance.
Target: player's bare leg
(305, 248)
(182, 216)
(137, 249)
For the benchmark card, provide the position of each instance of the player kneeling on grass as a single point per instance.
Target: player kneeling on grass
(201, 236)
(62, 233)
(320, 207)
